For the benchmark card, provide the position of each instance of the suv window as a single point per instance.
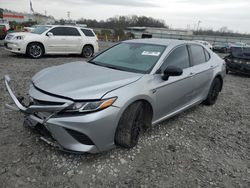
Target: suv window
(57, 31)
(70, 31)
(65, 31)
(88, 32)
(179, 58)
(198, 54)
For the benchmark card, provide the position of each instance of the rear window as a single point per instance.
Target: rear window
(198, 55)
(88, 32)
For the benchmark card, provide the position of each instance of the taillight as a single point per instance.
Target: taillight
(4, 30)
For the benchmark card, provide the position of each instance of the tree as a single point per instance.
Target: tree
(121, 22)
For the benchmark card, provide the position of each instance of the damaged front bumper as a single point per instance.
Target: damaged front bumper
(73, 133)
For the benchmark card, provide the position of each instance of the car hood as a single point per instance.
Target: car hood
(82, 80)
(25, 34)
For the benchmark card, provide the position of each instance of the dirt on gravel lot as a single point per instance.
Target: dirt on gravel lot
(202, 147)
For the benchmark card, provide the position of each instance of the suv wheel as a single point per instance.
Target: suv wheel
(35, 50)
(129, 127)
(213, 92)
(87, 51)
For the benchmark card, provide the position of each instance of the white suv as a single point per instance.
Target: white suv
(51, 39)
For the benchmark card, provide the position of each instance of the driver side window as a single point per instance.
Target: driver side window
(179, 57)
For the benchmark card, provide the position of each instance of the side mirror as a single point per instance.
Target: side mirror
(49, 34)
(171, 71)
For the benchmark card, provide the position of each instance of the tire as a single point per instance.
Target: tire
(130, 125)
(87, 51)
(213, 92)
(35, 50)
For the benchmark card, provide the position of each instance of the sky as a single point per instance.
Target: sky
(212, 14)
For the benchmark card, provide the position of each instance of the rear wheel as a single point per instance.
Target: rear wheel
(35, 50)
(213, 92)
(87, 51)
(130, 125)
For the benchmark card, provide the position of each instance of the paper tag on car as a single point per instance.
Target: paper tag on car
(151, 53)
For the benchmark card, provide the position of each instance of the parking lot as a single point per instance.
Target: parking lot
(202, 147)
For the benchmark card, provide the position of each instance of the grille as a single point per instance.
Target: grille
(39, 102)
(80, 137)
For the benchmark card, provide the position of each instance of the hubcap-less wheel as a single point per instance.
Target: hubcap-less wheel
(130, 125)
(138, 123)
(213, 92)
(87, 51)
(35, 51)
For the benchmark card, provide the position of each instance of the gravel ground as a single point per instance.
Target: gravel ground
(202, 147)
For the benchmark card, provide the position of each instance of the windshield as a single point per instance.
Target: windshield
(238, 52)
(132, 57)
(40, 29)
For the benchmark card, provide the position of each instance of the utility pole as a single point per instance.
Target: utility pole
(199, 22)
(45, 12)
(68, 13)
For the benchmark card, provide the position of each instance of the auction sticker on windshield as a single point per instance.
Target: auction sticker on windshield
(151, 53)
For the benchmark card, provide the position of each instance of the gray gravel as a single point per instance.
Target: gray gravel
(203, 147)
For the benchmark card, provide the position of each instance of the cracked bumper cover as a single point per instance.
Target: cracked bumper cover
(99, 126)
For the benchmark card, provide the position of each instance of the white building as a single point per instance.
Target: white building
(12, 16)
(157, 32)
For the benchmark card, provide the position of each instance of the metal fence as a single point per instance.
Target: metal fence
(211, 39)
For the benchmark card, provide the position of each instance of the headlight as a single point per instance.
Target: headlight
(237, 61)
(90, 106)
(19, 38)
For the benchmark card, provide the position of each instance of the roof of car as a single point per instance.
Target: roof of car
(65, 26)
(78, 26)
(158, 41)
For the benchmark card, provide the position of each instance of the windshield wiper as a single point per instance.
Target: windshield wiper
(111, 67)
(104, 65)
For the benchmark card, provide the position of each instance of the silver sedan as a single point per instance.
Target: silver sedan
(108, 101)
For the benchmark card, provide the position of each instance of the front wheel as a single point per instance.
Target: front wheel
(35, 50)
(130, 125)
(87, 51)
(213, 92)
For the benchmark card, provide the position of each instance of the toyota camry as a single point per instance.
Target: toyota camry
(109, 100)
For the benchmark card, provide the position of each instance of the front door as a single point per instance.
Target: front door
(177, 92)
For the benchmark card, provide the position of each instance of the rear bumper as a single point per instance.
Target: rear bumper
(92, 133)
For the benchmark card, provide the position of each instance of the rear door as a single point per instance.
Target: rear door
(177, 92)
(202, 70)
(73, 40)
(90, 38)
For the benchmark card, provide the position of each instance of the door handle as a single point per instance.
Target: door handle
(191, 74)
